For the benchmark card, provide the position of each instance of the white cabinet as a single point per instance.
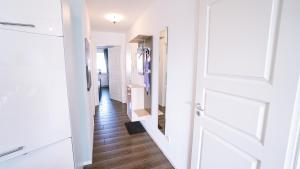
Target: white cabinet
(37, 16)
(136, 110)
(33, 94)
(55, 156)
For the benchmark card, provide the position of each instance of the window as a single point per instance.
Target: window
(101, 63)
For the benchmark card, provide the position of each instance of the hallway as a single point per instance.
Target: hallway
(114, 148)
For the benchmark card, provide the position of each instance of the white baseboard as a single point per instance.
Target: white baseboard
(86, 163)
(158, 145)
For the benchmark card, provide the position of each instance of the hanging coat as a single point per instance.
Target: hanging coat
(147, 70)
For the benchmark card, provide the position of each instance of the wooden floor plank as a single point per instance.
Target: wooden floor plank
(118, 139)
(121, 151)
(114, 148)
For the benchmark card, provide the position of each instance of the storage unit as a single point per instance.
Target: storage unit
(59, 156)
(44, 18)
(139, 96)
(136, 110)
(34, 113)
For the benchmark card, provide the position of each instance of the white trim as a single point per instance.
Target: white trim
(162, 150)
(86, 163)
(293, 150)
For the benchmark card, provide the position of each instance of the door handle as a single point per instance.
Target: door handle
(17, 24)
(199, 109)
(12, 151)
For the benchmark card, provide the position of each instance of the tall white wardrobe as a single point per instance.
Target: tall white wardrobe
(34, 114)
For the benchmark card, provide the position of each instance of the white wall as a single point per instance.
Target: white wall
(135, 77)
(180, 17)
(91, 97)
(109, 39)
(75, 30)
(115, 73)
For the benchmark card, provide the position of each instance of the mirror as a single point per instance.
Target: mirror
(162, 81)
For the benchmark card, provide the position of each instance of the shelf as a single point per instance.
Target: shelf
(140, 39)
(135, 86)
(137, 109)
(142, 113)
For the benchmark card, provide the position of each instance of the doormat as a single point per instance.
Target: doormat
(134, 127)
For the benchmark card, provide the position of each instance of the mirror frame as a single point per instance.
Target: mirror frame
(162, 34)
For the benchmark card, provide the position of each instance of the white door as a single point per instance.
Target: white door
(247, 77)
(114, 75)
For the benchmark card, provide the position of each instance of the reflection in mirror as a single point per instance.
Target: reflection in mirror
(162, 81)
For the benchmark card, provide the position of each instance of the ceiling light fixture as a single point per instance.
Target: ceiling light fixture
(114, 18)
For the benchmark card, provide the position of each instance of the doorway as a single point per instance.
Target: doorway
(102, 69)
(109, 73)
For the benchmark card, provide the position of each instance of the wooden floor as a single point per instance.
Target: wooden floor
(114, 148)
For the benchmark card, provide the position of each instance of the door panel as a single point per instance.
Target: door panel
(239, 32)
(232, 157)
(242, 114)
(33, 95)
(45, 15)
(246, 84)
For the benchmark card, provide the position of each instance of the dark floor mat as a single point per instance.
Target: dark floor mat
(134, 127)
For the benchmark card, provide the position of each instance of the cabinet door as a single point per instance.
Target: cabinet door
(56, 156)
(38, 16)
(33, 95)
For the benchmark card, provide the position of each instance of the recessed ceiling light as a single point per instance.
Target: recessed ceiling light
(114, 18)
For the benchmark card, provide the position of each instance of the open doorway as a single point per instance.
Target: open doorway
(102, 69)
(109, 74)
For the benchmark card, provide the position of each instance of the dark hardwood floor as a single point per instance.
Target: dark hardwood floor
(114, 148)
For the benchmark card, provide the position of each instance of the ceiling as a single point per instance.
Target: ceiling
(130, 9)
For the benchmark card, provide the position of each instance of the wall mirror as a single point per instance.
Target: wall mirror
(162, 81)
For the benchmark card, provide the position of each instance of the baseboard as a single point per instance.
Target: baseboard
(161, 149)
(86, 163)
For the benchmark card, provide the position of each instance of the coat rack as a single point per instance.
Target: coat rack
(139, 98)
(145, 46)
